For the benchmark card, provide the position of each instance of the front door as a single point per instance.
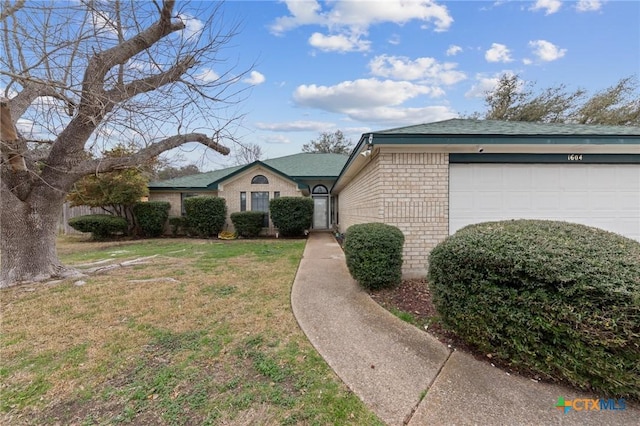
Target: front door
(320, 213)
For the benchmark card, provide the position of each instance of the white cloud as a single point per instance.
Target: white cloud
(277, 140)
(193, 26)
(103, 24)
(394, 39)
(207, 75)
(426, 69)
(498, 53)
(295, 126)
(487, 84)
(550, 6)
(348, 21)
(339, 43)
(359, 16)
(393, 117)
(546, 51)
(363, 93)
(453, 50)
(588, 5)
(372, 100)
(483, 86)
(255, 78)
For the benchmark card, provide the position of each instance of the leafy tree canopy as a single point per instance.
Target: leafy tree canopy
(171, 172)
(113, 191)
(515, 100)
(329, 143)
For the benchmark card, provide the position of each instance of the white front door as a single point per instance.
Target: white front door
(320, 212)
(605, 196)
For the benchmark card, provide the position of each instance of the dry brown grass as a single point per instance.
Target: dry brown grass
(223, 333)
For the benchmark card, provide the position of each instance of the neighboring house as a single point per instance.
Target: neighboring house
(251, 187)
(432, 179)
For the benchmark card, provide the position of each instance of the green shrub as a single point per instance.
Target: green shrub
(291, 215)
(151, 217)
(374, 254)
(248, 224)
(101, 226)
(178, 225)
(557, 298)
(205, 215)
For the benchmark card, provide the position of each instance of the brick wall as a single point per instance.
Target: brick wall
(230, 190)
(173, 198)
(360, 201)
(407, 190)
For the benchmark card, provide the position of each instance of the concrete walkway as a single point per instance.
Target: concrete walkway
(405, 375)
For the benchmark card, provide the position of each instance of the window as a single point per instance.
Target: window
(320, 189)
(260, 203)
(243, 201)
(259, 179)
(276, 194)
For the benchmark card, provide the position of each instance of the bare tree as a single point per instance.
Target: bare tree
(247, 154)
(329, 143)
(78, 78)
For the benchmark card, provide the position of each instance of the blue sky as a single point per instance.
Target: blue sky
(370, 65)
(361, 66)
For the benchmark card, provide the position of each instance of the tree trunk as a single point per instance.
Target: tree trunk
(28, 240)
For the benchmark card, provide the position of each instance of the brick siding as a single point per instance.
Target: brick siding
(407, 190)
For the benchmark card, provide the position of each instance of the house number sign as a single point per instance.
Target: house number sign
(574, 157)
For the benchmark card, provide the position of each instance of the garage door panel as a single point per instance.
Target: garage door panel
(606, 196)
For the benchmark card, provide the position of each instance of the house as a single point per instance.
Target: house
(252, 186)
(432, 179)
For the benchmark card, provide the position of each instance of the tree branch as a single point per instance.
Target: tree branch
(9, 10)
(103, 165)
(128, 91)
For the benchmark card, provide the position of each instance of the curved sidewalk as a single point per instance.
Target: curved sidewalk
(405, 375)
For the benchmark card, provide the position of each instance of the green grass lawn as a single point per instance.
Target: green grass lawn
(207, 338)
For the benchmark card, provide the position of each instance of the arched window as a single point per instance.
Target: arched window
(320, 189)
(259, 179)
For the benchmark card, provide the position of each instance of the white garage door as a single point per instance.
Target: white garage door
(606, 196)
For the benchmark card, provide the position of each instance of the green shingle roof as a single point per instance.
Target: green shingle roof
(308, 165)
(458, 126)
(297, 166)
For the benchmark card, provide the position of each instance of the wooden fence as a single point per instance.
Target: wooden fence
(69, 212)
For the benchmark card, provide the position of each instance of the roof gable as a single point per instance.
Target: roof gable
(292, 167)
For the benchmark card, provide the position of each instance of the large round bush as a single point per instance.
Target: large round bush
(373, 252)
(248, 224)
(206, 215)
(558, 298)
(101, 226)
(291, 215)
(151, 217)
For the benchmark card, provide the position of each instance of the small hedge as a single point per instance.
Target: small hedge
(374, 254)
(178, 225)
(557, 298)
(205, 215)
(151, 217)
(101, 226)
(291, 215)
(248, 224)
